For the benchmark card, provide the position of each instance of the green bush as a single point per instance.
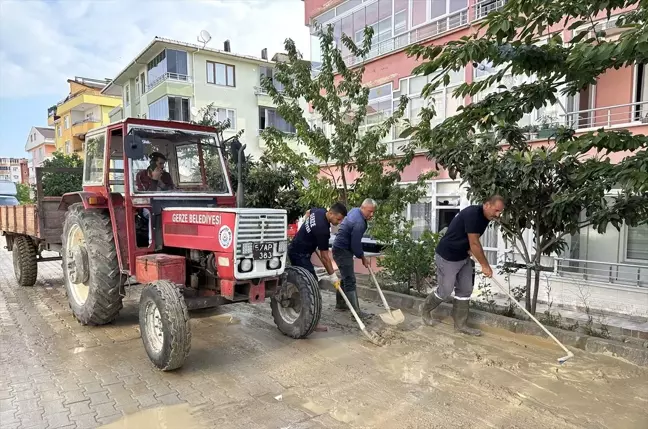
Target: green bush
(22, 193)
(410, 261)
(57, 184)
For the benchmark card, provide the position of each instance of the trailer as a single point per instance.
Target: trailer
(30, 229)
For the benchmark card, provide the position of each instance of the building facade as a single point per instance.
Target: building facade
(171, 80)
(609, 271)
(40, 146)
(13, 170)
(84, 109)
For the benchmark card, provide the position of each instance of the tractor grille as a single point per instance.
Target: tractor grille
(255, 228)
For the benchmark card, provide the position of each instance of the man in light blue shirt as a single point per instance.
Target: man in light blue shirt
(347, 244)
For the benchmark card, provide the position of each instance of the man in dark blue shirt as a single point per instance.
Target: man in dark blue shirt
(453, 263)
(315, 233)
(348, 243)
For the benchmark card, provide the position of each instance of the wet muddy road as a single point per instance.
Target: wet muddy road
(242, 373)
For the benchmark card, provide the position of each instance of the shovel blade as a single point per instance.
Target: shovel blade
(395, 318)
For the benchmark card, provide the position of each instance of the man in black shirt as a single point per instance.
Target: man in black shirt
(453, 263)
(314, 234)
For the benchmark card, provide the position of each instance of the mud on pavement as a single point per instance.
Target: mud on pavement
(242, 373)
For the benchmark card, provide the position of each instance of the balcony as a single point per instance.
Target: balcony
(262, 96)
(80, 128)
(483, 8)
(415, 35)
(610, 116)
(169, 84)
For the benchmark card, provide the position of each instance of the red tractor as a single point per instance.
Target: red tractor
(157, 208)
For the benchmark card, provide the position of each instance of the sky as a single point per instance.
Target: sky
(45, 42)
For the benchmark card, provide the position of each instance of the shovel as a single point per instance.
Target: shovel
(395, 317)
(372, 336)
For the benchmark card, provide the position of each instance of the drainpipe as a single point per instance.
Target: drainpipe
(193, 78)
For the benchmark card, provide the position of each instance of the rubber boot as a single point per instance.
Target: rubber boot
(339, 302)
(353, 299)
(431, 303)
(460, 308)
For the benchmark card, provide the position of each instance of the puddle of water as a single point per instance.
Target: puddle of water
(176, 416)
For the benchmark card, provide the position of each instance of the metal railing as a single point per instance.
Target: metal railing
(608, 272)
(176, 77)
(608, 116)
(258, 90)
(432, 29)
(86, 121)
(484, 7)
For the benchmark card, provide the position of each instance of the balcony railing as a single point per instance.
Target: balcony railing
(260, 91)
(607, 272)
(415, 35)
(484, 7)
(176, 77)
(620, 114)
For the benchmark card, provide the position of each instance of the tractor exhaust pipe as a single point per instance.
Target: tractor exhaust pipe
(240, 201)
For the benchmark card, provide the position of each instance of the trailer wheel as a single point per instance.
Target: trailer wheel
(92, 277)
(297, 306)
(24, 261)
(164, 324)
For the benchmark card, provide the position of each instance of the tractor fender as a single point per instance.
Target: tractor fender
(92, 200)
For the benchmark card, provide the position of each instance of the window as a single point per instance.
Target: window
(637, 243)
(269, 72)
(67, 147)
(58, 130)
(126, 95)
(179, 109)
(270, 118)
(94, 159)
(142, 83)
(220, 74)
(170, 109)
(156, 67)
(66, 120)
(435, 211)
(137, 87)
(222, 115)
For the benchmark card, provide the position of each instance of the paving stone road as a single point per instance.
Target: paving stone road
(242, 373)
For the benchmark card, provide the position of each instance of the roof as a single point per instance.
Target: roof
(48, 133)
(145, 56)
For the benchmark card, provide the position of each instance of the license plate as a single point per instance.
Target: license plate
(262, 251)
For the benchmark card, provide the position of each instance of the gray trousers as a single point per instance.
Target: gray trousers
(344, 260)
(457, 275)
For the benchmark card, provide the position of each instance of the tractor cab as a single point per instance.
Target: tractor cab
(158, 208)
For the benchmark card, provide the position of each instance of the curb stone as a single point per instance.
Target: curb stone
(628, 351)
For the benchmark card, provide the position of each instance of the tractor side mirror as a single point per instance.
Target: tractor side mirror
(133, 147)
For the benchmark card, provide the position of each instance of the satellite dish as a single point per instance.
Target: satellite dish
(204, 37)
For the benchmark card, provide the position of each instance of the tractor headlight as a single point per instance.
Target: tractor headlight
(246, 248)
(274, 263)
(283, 246)
(245, 265)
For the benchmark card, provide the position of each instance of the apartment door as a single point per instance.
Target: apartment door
(641, 94)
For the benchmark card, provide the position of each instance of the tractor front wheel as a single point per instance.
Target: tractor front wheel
(297, 305)
(92, 277)
(164, 324)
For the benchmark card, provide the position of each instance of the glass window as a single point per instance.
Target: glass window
(179, 109)
(94, 159)
(67, 122)
(419, 12)
(143, 82)
(270, 118)
(346, 6)
(156, 68)
(401, 16)
(159, 109)
(177, 63)
(637, 243)
(222, 114)
(416, 84)
(221, 74)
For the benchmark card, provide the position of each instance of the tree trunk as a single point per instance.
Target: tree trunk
(536, 288)
(345, 195)
(527, 289)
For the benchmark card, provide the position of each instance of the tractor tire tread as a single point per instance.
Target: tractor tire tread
(311, 299)
(25, 250)
(177, 317)
(104, 300)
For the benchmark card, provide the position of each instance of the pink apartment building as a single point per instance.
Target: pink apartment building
(611, 268)
(40, 146)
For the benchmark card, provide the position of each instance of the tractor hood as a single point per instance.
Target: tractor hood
(221, 229)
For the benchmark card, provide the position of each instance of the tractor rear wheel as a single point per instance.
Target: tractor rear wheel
(164, 324)
(24, 260)
(93, 280)
(297, 305)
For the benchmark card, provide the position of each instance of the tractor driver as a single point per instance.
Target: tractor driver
(154, 178)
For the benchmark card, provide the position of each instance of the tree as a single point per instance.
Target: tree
(349, 139)
(22, 193)
(562, 185)
(57, 184)
(265, 184)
